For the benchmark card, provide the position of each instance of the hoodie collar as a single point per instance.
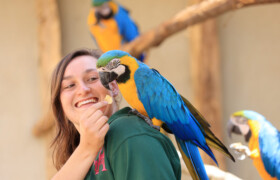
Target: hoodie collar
(121, 112)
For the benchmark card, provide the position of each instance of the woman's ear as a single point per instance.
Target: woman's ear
(114, 88)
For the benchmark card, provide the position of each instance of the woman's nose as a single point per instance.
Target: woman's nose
(83, 88)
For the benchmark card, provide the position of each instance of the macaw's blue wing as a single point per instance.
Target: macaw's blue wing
(269, 143)
(163, 102)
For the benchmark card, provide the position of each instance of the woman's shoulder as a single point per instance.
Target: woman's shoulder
(131, 141)
(125, 125)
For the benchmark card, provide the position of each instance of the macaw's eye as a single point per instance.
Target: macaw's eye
(113, 64)
(116, 62)
(241, 120)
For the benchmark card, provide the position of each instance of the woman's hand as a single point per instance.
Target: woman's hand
(93, 127)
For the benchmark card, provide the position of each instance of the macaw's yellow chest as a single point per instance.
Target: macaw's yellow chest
(129, 92)
(257, 160)
(256, 155)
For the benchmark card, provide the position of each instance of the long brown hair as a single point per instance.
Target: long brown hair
(67, 137)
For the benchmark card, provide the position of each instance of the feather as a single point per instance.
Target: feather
(211, 139)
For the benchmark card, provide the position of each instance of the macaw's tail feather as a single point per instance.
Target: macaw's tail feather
(192, 159)
(208, 151)
(211, 139)
(216, 143)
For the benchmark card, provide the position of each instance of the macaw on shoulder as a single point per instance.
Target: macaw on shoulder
(264, 142)
(153, 96)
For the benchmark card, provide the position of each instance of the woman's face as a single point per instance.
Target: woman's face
(81, 87)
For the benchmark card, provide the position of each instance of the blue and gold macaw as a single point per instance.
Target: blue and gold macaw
(264, 141)
(112, 31)
(152, 95)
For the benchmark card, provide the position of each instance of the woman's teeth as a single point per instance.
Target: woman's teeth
(86, 102)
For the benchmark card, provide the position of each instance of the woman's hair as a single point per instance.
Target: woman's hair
(67, 137)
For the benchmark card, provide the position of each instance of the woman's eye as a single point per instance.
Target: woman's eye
(69, 86)
(92, 79)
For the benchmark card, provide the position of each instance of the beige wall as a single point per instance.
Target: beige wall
(21, 155)
(250, 57)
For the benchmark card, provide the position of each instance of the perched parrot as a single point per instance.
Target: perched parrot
(153, 96)
(264, 141)
(113, 31)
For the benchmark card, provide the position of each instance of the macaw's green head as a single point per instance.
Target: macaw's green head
(241, 123)
(114, 65)
(98, 3)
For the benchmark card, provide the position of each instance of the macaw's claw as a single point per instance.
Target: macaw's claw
(241, 150)
(147, 119)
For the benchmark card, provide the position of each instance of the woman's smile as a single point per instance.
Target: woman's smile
(86, 102)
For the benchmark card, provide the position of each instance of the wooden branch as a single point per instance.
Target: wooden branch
(49, 54)
(49, 50)
(189, 16)
(205, 75)
(213, 172)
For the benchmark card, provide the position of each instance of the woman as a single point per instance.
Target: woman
(85, 146)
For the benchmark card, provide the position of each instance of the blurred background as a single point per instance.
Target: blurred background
(249, 53)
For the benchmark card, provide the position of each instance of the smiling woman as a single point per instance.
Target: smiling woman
(77, 100)
(83, 116)
(80, 88)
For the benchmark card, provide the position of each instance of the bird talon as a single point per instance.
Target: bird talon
(241, 150)
(147, 119)
(156, 127)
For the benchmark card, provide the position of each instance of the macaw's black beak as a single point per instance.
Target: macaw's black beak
(241, 129)
(107, 77)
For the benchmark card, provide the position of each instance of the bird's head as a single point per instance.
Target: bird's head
(242, 122)
(115, 65)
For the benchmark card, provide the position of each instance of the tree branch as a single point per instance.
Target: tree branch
(189, 16)
(49, 49)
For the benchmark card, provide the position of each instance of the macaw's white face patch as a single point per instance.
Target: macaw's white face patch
(119, 70)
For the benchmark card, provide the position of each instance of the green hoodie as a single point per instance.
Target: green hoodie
(135, 151)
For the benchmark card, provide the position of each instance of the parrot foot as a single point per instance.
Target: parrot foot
(241, 150)
(147, 119)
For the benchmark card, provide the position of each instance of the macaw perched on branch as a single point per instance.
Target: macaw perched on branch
(153, 96)
(111, 25)
(264, 142)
